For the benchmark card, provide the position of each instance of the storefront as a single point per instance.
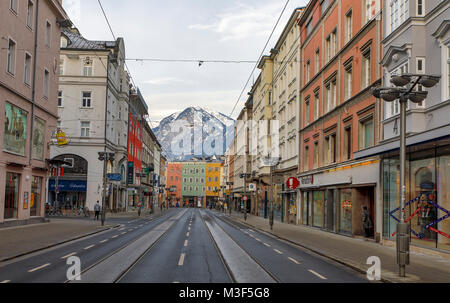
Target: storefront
(332, 200)
(427, 195)
(71, 194)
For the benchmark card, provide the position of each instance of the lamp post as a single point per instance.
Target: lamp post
(271, 161)
(105, 157)
(404, 91)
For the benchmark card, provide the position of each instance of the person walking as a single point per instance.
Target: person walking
(97, 208)
(366, 222)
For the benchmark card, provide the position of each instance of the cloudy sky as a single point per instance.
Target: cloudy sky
(186, 29)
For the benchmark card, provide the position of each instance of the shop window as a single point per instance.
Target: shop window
(318, 202)
(11, 195)
(345, 212)
(15, 130)
(36, 196)
(443, 196)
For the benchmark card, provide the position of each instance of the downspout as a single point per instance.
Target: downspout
(33, 90)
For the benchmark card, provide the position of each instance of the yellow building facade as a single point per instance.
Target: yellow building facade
(212, 184)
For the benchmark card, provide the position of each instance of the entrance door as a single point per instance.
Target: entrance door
(329, 221)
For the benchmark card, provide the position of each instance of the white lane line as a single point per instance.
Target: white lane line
(268, 245)
(40, 267)
(130, 229)
(181, 262)
(6, 281)
(123, 233)
(113, 237)
(89, 247)
(122, 229)
(106, 240)
(176, 282)
(277, 251)
(186, 243)
(69, 255)
(189, 228)
(141, 225)
(318, 275)
(250, 230)
(257, 239)
(293, 260)
(187, 235)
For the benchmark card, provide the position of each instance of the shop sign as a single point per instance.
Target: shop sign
(130, 172)
(61, 138)
(292, 183)
(15, 131)
(252, 187)
(25, 200)
(346, 204)
(307, 180)
(38, 138)
(114, 177)
(67, 185)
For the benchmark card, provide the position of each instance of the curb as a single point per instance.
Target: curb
(56, 244)
(335, 259)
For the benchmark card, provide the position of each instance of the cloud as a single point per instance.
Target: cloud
(243, 22)
(168, 81)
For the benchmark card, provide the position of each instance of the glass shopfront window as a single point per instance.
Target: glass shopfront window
(345, 212)
(305, 208)
(428, 196)
(278, 204)
(36, 197)
(318, 197)
(11, 195)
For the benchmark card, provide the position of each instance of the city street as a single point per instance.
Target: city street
(181, 246)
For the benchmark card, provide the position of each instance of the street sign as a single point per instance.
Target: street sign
(292, 183)
(245, 198)
(115, 177)
(252, 187)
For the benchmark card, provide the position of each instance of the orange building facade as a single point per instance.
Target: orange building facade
(212, 184)
(174, 182)
(340, 51)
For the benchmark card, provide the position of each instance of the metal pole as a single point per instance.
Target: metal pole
(245, 195)
(271, 198)
(56, 190)
(104, 190)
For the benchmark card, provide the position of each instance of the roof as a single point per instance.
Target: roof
(77, 41)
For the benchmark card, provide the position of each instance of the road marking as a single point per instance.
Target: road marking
(186, 243)
(293, 260)
(69, 255)
(180, 263)
(189, 228)
(123, 233)
(320, 276)
(130, 229)
(89, 247)
(122, 229)
(115, 236)
(266, 244)
(257, 239)
(187, 235)
(6, 281)
(106, 240)
(40, 267)
(175, 282)
(250, 230)
(276, 250)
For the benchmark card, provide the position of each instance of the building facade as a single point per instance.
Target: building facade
(174, 182)
(213, 182)
(193, 186)
(416, 39)
(340, 49)
(28, 104)
(92, 102)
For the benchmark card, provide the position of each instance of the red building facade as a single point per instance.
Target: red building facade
(174, 182)
(134, 150)
(340, 51)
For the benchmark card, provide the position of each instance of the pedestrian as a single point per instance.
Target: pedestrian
(366, 222)
(97, 210)
(139, 208)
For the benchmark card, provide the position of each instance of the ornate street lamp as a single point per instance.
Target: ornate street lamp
(403, 94)
(105, 156)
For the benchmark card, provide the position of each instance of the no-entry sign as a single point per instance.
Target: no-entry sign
(292, 183)
(245, 198)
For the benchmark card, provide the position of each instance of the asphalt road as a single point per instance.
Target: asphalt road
(199, 246)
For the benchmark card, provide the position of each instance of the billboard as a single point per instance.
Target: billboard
(15, 138)
(38, 138)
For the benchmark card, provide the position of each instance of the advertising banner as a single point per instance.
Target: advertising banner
(38, 138)
(15, 138)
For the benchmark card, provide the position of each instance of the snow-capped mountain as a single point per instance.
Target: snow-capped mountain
(195, 132)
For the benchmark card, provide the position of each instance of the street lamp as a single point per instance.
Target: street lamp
(271, 161)
(105, 156)
(245, 176)
(404, 91)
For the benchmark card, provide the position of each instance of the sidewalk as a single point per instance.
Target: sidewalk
(21, 240)
(354, 252)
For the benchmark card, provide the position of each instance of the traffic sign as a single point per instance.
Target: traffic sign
(252, 187)
(292, 183)
(245, 198)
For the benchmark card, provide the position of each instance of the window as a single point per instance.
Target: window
(316, 155)
(366, 133)
(367, 10)
(30, 13)
(86, 100)
(309, 27)
(420, 65)
(317, 61)
(60, 98)
(420, 8)
(348, 26)
(347, 143)
(27, 72)
(326, 152)
(64, 42)
(11, 60)
(365, 80)
(328, 49)
(316, 105)
(307, 112)
(324, 5)
(46, 83)
(306, 161)
(12, 195)
(13, 5)
(333, 148)
(448, 71)
(393, 108)
(331, 96)
(399, 12)
(348, 82)
(48, 34)
(334, 43)
(87, 67)
(61, 67)
(308, 71)
(85, 129)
